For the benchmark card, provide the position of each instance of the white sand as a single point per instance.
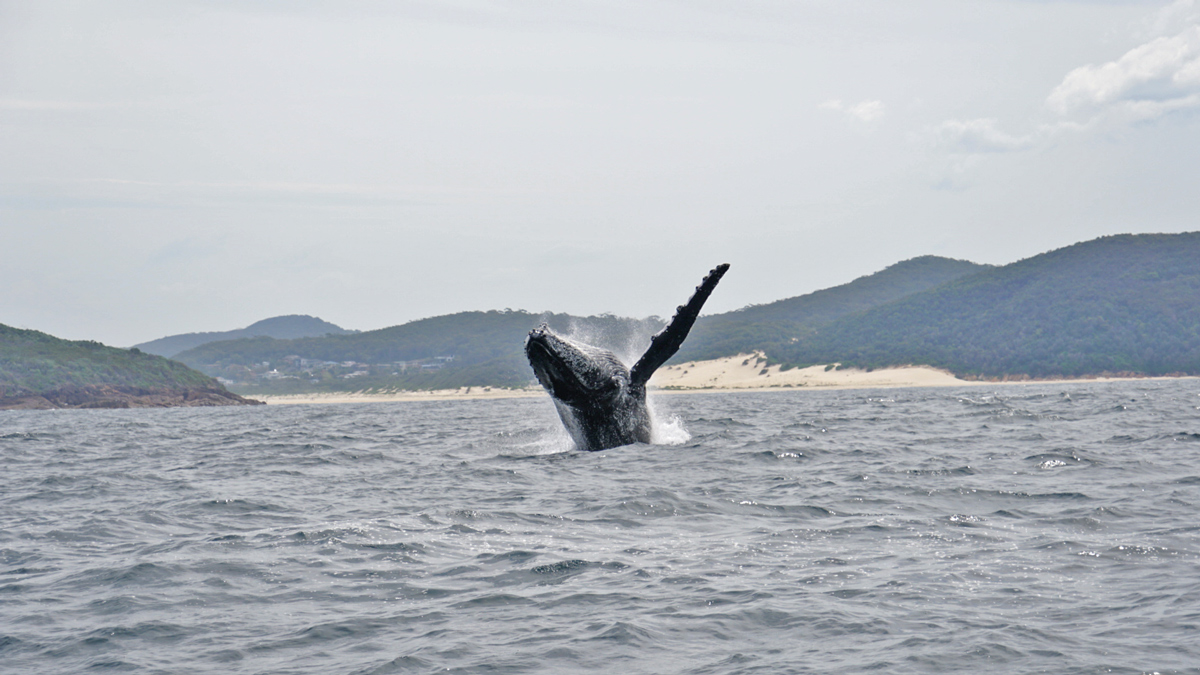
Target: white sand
(749, 371)
(734, 373)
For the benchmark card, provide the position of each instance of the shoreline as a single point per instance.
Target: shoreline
(742, 373)
(460, 394)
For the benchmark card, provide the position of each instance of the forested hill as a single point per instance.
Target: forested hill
(486, 348)
(1123, 304)
(767, 327)
(456, 350)
(41, 371)
(1120, 304)
(282, 327)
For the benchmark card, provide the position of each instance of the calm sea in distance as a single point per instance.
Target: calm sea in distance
(1046, 528)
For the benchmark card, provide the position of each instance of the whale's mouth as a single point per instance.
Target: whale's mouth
(550, 365)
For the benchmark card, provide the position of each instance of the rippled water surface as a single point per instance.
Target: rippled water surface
(1012, 529)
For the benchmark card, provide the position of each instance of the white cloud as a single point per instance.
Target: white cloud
(1148, 81)
(865, 111)
(977, 136)
(1174, 18)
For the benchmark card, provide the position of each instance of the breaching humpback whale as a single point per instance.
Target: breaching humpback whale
(601, 402)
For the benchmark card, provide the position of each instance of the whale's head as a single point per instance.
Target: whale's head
(575, 373)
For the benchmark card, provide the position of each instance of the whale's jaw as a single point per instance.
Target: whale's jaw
(572, 371)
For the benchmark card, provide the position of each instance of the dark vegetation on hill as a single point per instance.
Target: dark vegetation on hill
(768, 327)
(1127, 304)
(487, 349)
(39, 370)
(488, 346)
(281, 327)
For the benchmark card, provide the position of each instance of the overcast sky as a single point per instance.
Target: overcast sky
(169, 167)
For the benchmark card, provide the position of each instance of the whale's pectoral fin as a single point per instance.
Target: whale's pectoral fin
(668, 341)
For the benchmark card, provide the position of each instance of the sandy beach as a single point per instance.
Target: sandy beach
(749, 371)
(733, 373)
(744, 372)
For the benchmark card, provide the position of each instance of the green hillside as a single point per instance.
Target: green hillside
(767, 327)
(64, 373)
(458, 350)
(1124, 304)
(486, 348)
(1120, 304)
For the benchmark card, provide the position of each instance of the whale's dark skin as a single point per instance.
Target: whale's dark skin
(601, 402)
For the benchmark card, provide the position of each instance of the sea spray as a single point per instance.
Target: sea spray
(666, 428)
(628, 339)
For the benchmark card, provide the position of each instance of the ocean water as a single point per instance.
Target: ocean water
(1007, 529)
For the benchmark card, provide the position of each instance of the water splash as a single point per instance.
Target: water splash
(628, 339)
(665, 428)
(553, 442)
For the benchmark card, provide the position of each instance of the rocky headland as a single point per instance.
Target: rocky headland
(102, 396)
(42, 372)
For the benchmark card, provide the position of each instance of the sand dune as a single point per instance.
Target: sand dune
(749, 371)
(734, 373)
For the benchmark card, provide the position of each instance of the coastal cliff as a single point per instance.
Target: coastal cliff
(101, 396)
(39, 371)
